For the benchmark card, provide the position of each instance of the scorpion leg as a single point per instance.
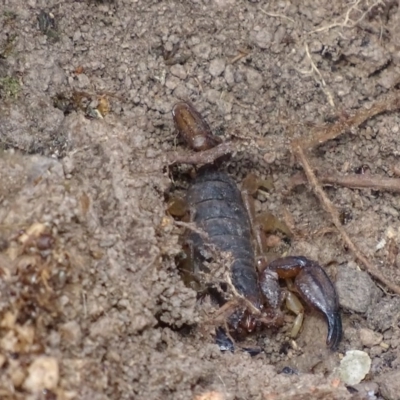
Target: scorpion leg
(315, 288)
(269, 282)
(265, 222)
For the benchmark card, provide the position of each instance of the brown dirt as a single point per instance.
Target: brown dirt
(92, 284)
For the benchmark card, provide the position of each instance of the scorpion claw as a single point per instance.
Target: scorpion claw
(316, 289)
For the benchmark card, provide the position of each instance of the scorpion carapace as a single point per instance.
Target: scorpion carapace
(222, 222)
(193, 128)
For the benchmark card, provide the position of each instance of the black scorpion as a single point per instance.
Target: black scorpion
(217, 208)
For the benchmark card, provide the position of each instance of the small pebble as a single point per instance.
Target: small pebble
(367, 389)
(315, 46)
(68, 165)
(83, 81)
(356, 290)
(217, 67)
(254, 79)
(273, 241)
(172, 82)
(213, 395)
(354, 367)
(394, 343)
(263, 39)
(384, 314)
(369, 337)
(376, 351)
(71, 332)
(390, 385)
(229, 75)
(212, 95)
(179, 71)
(43, 374)
(202, 50)
(269, 157)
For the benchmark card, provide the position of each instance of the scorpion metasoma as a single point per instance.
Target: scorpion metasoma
(221, 217)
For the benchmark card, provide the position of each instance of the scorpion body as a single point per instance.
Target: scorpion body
(217, 209)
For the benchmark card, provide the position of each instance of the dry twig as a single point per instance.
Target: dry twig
(242, 54)
(322, 135)
(192, 227)
(347, 22)
(277, 15)
(354, 181)
(330, 208)
(320, 81)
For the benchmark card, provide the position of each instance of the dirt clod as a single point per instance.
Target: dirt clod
(43, 373)
(369, 338)
(356, 290)
(384, 314)
(390, 385)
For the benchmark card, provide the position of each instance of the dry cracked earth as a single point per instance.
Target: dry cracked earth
(92, 304)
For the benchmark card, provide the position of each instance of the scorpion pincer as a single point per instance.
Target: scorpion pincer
(217, 208)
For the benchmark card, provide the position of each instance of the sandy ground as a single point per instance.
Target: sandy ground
(91, 302)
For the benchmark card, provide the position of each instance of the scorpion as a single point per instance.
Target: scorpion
(220, 211)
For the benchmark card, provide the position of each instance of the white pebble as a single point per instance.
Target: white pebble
(354, 367)
(43, 373)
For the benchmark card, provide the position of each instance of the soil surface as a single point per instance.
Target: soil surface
(92, 305)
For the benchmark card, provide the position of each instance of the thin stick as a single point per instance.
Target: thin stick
(322, 135)
(366, 181)
(241, 55)
(277, 15)
(321, 81)
(192, 227)
(324, 87)
(345, 23)
(331, 210)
